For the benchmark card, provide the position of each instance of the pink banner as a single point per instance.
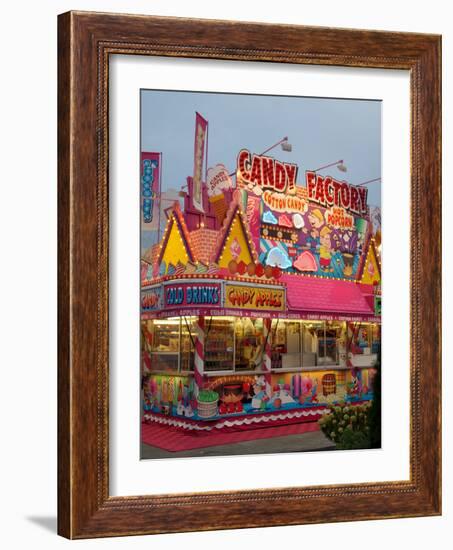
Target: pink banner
(150, 187)
(201, 126)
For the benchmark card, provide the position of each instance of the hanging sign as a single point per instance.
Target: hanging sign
(150, 167)
(254, 297)
(200, 138)
(259, 173)
(327, 192)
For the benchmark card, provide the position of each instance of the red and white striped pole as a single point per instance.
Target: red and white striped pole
(199, 353)
(267, 355)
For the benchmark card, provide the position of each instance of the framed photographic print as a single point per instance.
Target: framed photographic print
(236, 201)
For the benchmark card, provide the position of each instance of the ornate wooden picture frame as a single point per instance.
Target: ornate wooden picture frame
(85, 41)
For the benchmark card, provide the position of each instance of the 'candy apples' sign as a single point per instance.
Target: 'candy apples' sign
(259, 173)
(327, 192)
(217, 179)
(256, 298)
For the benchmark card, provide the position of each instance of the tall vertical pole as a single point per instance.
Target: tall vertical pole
(159, 197)
(267, 355)
(206, 170)
(199, 353)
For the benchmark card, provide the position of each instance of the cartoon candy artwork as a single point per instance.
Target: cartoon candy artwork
(298, 220)
(277, 257)
(307, 384)
(284, 221)
(306, 262)
(316, 218)
(253, 215)
(235, 248)
(268, 217)
(325, 250)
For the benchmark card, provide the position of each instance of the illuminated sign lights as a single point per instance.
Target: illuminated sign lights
(148, 177)
(326, 191)
(191, 294)
(256, 298)
(259, 173)
(284, 203)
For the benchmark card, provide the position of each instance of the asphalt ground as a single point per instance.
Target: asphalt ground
(311, 441)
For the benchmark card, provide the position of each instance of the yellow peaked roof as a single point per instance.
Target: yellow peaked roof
(175, 247)
(236, 243)
(371, 269)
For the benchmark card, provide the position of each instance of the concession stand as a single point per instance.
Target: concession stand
(260, 304)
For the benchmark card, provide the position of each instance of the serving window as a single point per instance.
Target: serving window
(305, 344)
(237, 344)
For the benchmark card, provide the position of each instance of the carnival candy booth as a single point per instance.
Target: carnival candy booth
(263, 307)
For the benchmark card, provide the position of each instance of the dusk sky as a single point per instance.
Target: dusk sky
(321, 131)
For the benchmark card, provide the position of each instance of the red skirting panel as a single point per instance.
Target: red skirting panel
(171, 438)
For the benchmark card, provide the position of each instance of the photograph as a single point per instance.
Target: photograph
(260, 273)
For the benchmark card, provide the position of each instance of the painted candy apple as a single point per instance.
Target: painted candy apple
(242, 267)
(259, 270)
(277, 403)
(268, 271)
(251, 269)
(232, 267)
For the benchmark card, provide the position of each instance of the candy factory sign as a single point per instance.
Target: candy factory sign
(259, 173)
(249, 297)
(328, 192)
(192, 294)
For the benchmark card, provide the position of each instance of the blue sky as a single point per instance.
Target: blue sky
(321, 131)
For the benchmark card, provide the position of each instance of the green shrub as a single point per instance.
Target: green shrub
(353, 439)
(347, 426)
